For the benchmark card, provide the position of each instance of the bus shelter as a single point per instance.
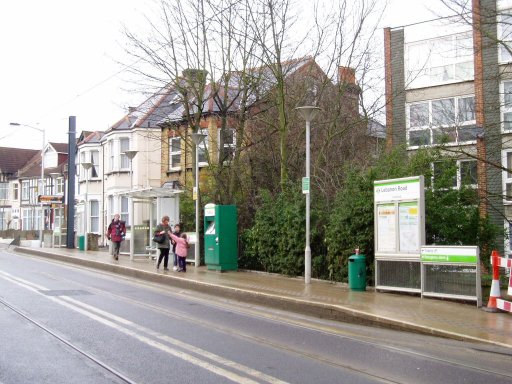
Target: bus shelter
(160, 201)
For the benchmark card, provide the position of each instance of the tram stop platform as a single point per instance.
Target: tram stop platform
(443, 318)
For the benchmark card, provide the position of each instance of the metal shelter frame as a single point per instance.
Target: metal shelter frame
(148, 196)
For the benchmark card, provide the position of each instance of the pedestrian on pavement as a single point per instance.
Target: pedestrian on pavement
(177, 232)
(163, 229)
(181, 250)
(116, 232)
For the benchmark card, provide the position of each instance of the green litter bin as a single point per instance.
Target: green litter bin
(81, 242)
(357, 272)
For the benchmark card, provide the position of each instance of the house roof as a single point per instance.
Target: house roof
(60, 147)
(13, 159)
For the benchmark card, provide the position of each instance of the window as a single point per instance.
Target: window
(455, 174)
(95, 160)
(507, 175)
(442, 121)
(467, 173)
(94, 213)
(25, 188)
(124, 145)
(203, 148)
(440, 60)
(15, 191)
(227, 141)
(505, 37)
(59, 185)
(506, 109)
(124, 210)
(4, 191)
(111, 163)
(174, 153)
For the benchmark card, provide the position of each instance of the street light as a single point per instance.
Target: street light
(130, 155)
(197, 138)
(308, 113)
(86, 166)
(42, 176)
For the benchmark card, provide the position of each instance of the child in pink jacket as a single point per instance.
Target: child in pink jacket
(181, 250)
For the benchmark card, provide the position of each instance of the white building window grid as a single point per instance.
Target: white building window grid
(441, 121)
(437, 61)
(174, 153)
(15, 191)
(227, 152)
(25, 190)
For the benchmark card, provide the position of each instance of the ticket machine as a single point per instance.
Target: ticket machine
(221, 237)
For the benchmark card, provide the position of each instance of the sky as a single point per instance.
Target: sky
(62, 58)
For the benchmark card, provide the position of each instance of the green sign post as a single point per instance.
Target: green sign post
(305, 185)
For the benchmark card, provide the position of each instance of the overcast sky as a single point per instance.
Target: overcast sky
(60, 58)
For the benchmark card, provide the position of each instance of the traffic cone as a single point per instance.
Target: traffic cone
(492, 305)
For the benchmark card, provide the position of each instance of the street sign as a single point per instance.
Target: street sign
(305, 185)
(50, 199)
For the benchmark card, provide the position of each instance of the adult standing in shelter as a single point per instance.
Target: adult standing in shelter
(116, 232)
(163, 229)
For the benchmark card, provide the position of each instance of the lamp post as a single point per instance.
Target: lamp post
(308, 113)
(86, 166)
(131, 154)
(42, 177)
(197, 138)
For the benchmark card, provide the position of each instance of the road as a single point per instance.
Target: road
(66, 324)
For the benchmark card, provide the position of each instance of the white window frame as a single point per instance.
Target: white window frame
(124, 210)
(95, 160)
(506, 176)
(231, 146)
(505, 109)
(504, 21)
(25, 190)
(4, 191)
(457, 183)
(425, 63)
(173, 153)
(456, 127)
(203, 148)
(124, 145)
(112, 153)
(94, 215)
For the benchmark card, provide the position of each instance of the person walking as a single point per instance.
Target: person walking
(177, 232)
(116, 232)
(163, 229)
(181, 250)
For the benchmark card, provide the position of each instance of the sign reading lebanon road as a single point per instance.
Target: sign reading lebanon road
(454, 254)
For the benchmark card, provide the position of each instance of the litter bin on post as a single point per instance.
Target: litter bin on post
(357, 272)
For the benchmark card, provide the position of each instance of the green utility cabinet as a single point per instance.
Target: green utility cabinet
(221, 237)
(357, 272)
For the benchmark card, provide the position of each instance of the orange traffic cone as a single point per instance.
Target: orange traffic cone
(495, 293)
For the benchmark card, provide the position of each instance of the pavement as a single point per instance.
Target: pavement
(442, 318)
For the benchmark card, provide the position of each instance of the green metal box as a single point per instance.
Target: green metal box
(221, 237)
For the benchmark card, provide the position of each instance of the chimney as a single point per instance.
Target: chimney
(346, 75)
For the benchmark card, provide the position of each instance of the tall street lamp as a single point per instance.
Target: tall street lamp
(42, 177)
(86, 166)
(130, 155)
(308, 113)
(197, 138)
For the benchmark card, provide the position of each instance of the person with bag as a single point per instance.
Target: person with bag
(116, 232)
(182, 247)
(163, 230)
